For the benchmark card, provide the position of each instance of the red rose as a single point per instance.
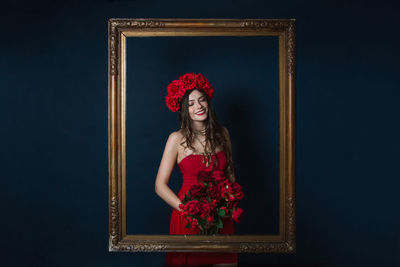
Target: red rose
(225, 189)
(239, 196)
(194, 223)
(210, 219)
(237, 214)
(206, 208)
(214, 193)
(174, 86)
(197, 191)
(192, 207)
(236, 191)
(219, 176)
(236, 188)
(189, 80)
(174, 96)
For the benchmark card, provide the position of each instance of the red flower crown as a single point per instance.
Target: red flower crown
(188, 81)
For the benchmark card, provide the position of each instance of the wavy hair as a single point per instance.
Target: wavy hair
(215, 132)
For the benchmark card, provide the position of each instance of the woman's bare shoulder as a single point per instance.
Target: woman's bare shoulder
(176, 137)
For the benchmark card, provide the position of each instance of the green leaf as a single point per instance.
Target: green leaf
(220, 225)
(221, 213)
(189, 225)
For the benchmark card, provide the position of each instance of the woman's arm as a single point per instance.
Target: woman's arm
(167, 164)
(229, 170)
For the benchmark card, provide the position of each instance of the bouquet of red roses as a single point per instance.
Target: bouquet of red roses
(212, 198)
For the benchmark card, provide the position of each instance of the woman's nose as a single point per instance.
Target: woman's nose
(199, 105)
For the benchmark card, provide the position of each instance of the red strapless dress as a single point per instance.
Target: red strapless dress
(190, 166)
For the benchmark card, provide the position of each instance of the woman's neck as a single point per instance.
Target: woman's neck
(198, 127)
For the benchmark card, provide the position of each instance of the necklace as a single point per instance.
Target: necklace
(201, 132)
(206, 155)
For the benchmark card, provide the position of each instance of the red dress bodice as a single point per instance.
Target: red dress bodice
(192, 164)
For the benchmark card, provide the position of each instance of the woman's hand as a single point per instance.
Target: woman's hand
(179, 209)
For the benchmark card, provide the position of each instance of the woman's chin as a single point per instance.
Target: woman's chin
(199, 118)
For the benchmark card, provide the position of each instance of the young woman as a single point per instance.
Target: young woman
(201, 144)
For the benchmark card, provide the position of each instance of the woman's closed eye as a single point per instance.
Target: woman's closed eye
(203, 99)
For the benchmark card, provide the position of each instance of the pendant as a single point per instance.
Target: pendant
(206, 159)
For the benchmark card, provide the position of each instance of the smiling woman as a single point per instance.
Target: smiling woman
(200, 134)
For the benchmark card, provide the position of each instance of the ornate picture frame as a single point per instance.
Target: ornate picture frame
(119, 30)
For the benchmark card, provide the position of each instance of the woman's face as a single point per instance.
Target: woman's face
(198, 107)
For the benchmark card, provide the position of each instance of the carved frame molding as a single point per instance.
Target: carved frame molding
(118, 31)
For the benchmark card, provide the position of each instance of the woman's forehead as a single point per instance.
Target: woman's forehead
(195, 94)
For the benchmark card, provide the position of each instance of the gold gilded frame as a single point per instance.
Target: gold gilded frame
(119, 30)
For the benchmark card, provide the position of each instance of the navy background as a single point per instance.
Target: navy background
(54, 131)
(244, 73)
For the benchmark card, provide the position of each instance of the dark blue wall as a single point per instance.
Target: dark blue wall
(244, 74)
(54, 132)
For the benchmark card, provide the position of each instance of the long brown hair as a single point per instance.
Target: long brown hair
(215, 133)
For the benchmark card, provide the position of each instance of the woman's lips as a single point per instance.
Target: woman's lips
(202, 113)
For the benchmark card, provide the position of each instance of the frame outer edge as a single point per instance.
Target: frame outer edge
(286, 27)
